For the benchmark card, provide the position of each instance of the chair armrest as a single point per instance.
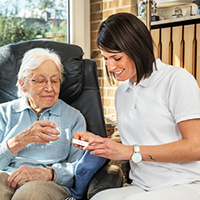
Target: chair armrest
(109, 176)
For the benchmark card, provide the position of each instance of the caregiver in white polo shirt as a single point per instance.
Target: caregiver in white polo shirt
(158, 113)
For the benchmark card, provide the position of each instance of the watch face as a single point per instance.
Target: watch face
(136, 158)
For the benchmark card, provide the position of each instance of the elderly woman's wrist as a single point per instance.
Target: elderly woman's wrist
(15, 144)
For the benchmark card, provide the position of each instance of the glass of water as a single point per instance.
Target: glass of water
(55, 119)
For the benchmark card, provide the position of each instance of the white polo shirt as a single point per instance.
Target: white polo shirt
(148, 113)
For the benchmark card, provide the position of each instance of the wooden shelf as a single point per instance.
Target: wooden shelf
(175, 22)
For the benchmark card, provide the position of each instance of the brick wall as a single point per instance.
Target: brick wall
(100, 10)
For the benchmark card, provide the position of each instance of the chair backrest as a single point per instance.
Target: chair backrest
(80, 88)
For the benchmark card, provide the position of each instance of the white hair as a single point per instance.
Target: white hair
(33, 59)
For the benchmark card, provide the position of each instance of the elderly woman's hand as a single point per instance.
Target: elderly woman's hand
(38, 132)
(25, 174)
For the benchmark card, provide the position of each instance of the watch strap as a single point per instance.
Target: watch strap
(136, 148)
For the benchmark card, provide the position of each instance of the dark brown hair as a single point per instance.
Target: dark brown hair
(124, 32)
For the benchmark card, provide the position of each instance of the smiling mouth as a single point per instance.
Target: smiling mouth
(48, 96)
(119, 72)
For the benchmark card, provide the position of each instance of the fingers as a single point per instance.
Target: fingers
(95, 143)
(25, 174)
(45, 138)
(50, 131)
(105, 147)
(83, 136)
(98, 148)
(46, 124)
(79, 135)
(15, 180)
(48, 127)
(42, 132)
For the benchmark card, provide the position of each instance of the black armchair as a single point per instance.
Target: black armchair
(80, 90)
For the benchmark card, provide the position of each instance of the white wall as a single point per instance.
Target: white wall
(80, 25)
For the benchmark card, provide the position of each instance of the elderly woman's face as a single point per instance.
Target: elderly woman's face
(42, 96)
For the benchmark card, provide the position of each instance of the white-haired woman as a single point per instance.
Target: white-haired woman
(37, 160)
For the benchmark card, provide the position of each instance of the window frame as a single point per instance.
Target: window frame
(79, 25)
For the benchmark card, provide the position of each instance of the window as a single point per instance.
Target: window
(22, 20)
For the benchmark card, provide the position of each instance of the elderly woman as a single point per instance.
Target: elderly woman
(36, 160)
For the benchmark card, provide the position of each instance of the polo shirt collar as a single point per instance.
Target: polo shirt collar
(23, 105)
(145, 82)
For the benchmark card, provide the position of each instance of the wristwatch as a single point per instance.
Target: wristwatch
(136, 157)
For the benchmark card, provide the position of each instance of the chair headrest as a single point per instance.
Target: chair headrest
(71, 58)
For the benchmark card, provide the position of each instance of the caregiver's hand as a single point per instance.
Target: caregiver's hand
(107, 148)
(83, 136)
